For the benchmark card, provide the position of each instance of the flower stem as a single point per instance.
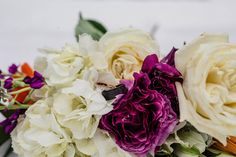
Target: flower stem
(18, 79)
(20, 91)
(28, 97)
(14, 107)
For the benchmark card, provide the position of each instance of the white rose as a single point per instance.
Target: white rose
(40, 135)
(208, 94)
(125, 51)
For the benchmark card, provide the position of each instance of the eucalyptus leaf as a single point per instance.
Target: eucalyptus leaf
(91, 27)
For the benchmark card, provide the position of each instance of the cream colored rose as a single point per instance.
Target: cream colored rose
(40, 135)
(125, 51)
(208, 94)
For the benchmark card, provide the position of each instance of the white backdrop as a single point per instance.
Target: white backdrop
(29, 24)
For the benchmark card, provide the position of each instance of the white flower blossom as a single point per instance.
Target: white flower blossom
(40, 135)
(125, 51)
(208, 93)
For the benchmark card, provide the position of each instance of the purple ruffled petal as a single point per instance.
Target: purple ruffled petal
(170, 58)
(148, 63)
(142, 119)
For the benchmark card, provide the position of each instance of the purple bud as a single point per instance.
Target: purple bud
(10, 123)
(8, 83)
(36, 82)
(13, 69)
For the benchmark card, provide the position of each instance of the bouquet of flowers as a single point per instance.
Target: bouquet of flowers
(113, 95)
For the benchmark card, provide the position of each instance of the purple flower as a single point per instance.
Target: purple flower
(10, 123)
(1, 75)
(163, 76)
(8, 83)
(13, 69)
(36, 82)
(142, 119)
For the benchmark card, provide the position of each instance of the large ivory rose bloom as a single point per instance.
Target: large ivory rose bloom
(208, 94)
(40, 135)
(125, 51)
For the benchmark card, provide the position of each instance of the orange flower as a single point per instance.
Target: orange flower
(230, 147)
(27, 70)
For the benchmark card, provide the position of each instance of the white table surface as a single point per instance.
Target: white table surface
(29, 24)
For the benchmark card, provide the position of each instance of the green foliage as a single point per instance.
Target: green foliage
(91, 27)
(211, 153)
(3, 137)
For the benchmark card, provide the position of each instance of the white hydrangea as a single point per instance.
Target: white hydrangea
(102, 145)
(62, 67)
(40, 135)
(79, 108)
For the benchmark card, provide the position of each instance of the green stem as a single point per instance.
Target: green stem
(20, 91)
(27, 99)
(18, 79)
(2, 82)
(14, 107)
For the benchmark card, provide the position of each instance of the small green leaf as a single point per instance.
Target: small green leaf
(182, 150)
(211, 152)
(98, 26)
(91, 27)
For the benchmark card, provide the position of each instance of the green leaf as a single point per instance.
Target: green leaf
(182, 150)
(98, 26)
(211, 152)
(91, 27)
(3, 137)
